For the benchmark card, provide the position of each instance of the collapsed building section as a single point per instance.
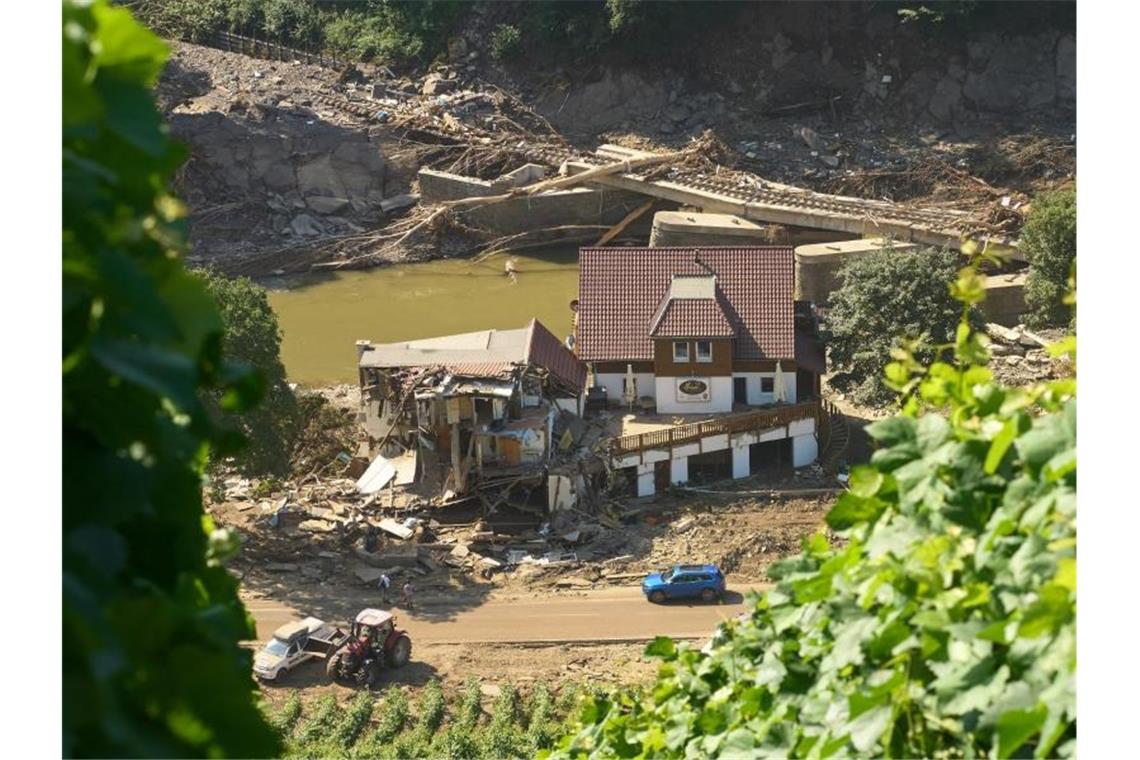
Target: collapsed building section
(460, 415)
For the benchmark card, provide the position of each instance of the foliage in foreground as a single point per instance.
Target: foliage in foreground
(1049, 239)
(887, 294)
(944, 626)
(151, 619)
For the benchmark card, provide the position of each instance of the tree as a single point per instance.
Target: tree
(251, 335)
(1049, 239)
(887, 294)
(943, 624)
(151, 618)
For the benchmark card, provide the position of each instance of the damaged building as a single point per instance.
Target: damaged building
(475, 413)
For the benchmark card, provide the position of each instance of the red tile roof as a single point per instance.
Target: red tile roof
(691, 318)
(547, 351)
(620, 290)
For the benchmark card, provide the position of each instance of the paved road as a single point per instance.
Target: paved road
(606, 614)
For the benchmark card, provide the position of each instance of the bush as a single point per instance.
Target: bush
(251, 335)
(505, 41)
(285, 718)
(1049, 239)
(541, 730)
(355, 719)
(885, 296)
(321, 725)
(370, 36)
(944, 624)
(393, 714)
(431, 708)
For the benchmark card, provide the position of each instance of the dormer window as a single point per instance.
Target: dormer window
(704, 351)
(680, 351)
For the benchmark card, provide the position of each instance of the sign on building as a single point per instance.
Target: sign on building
(693, 389)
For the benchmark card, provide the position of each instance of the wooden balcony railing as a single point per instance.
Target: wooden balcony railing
(745, 422)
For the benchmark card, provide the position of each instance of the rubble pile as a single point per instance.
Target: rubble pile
(1018, 356)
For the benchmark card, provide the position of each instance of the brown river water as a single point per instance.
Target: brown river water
(322, 316)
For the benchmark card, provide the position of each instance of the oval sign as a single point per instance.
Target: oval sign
(693, 387)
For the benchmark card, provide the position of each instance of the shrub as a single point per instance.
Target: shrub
(1049, 239)
(431, 708)
(393, 714)
(943, 626)
(285, 718)
(321, 724)
(470, 705)
(541, 727)
(505, 41)
(887, 295)
(503, 738)
(251, 335)
(355, 719)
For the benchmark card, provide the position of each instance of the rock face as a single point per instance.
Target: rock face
(322, 169)
(617, 97)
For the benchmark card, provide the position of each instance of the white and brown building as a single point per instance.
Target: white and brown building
(708, 332)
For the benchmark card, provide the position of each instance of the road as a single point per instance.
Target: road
(610, 614)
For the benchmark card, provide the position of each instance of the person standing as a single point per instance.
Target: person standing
(406, 598)
(384, 584)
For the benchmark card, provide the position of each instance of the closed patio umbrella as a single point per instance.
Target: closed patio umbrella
(630, 394)
(778, 385)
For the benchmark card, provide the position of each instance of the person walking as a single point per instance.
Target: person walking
(406, 598)
(384, 584)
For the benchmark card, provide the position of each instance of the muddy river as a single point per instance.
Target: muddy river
(322, 316)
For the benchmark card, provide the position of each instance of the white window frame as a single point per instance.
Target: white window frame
(709, 357)
(683, 356)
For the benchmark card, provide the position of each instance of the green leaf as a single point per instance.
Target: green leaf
(999, 445)
(662, 647)
(865, 481)
(868, 729)
(892, 431)
(738, 743)
(1016, 727)
(851, 509)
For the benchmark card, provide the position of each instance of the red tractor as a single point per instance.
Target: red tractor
(374, 643)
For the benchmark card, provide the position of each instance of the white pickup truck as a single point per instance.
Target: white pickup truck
(294, 643)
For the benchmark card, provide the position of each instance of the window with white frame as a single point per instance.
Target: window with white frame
(704, 350)
(680, 350)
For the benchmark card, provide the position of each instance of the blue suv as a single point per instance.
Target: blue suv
(705, 582)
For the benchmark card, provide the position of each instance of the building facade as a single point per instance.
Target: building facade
(697, 330)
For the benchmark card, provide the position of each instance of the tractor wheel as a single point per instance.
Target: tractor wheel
(657, 597)
(708, 595)
(400, 652)
(332, 667)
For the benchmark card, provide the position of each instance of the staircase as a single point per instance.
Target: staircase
(835, 434)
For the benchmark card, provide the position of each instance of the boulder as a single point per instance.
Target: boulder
(435, 84)
(326, 204)
(304, 225)
(318, 177)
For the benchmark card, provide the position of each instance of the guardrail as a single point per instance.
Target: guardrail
(255, 48)
(755, 421)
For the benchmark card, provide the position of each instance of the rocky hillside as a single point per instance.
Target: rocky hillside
(284, 153)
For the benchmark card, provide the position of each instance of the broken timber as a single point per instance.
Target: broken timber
(781, 204)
